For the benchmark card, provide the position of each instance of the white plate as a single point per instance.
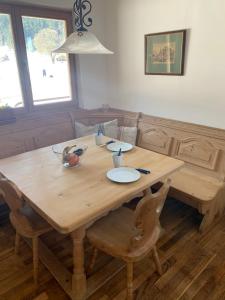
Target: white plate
(119, 145)
(123, 175)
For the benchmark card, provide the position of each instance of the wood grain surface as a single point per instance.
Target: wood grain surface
(70, 198)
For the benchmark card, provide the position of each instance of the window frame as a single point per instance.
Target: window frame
(16, 12)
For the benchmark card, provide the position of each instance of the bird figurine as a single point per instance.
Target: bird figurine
(69, 158)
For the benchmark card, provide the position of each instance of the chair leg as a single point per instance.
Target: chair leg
(17, 243)
(156, 260)
(93, 260)
(129, 280)
(35, 259)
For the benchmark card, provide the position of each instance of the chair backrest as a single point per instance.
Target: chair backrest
(147, 215)
(14, 198)
(11, 194)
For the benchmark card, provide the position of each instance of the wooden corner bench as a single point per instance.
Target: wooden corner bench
(201, 183)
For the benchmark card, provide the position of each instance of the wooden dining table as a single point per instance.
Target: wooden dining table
(72, 199)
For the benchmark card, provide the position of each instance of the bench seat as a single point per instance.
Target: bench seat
(205, 193)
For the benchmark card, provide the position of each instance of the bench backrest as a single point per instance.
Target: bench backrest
(45, 129)
(201, 148)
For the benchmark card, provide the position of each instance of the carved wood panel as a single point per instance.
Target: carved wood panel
(155, 139)
(198, 152)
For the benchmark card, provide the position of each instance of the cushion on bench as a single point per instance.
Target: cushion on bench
(108, 128)
(128, 134)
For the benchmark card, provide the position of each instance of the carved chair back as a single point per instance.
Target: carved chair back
(14, 199)
(12, 195)
(147, 215)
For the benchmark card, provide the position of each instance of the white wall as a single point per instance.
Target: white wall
(92, 73)
(197, 97)
(119, 79)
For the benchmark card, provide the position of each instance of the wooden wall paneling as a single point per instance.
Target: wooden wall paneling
(38, 130)
(53, 135)
(14, 144)
(78, 114)
(33, 121)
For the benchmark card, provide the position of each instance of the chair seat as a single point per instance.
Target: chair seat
(36, 225)
(113, 233)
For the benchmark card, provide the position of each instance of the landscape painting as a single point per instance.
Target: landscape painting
(164, 53)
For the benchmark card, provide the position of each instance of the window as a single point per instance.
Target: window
(49, 73)
(10, 89)
(31, 76)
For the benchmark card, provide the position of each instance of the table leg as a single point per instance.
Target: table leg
(79, 283)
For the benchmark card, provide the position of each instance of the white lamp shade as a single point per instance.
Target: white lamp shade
(82, 43)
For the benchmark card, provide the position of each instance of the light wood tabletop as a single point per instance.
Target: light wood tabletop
(72, 199)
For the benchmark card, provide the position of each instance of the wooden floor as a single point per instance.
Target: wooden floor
(193, 264)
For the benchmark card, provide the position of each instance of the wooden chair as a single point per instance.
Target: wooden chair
(131, 235)
(24, 219)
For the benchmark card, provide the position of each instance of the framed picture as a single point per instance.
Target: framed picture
(164, 53)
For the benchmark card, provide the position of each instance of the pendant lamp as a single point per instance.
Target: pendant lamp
(82, 41)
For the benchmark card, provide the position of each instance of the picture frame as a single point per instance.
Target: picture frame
(165, 53)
